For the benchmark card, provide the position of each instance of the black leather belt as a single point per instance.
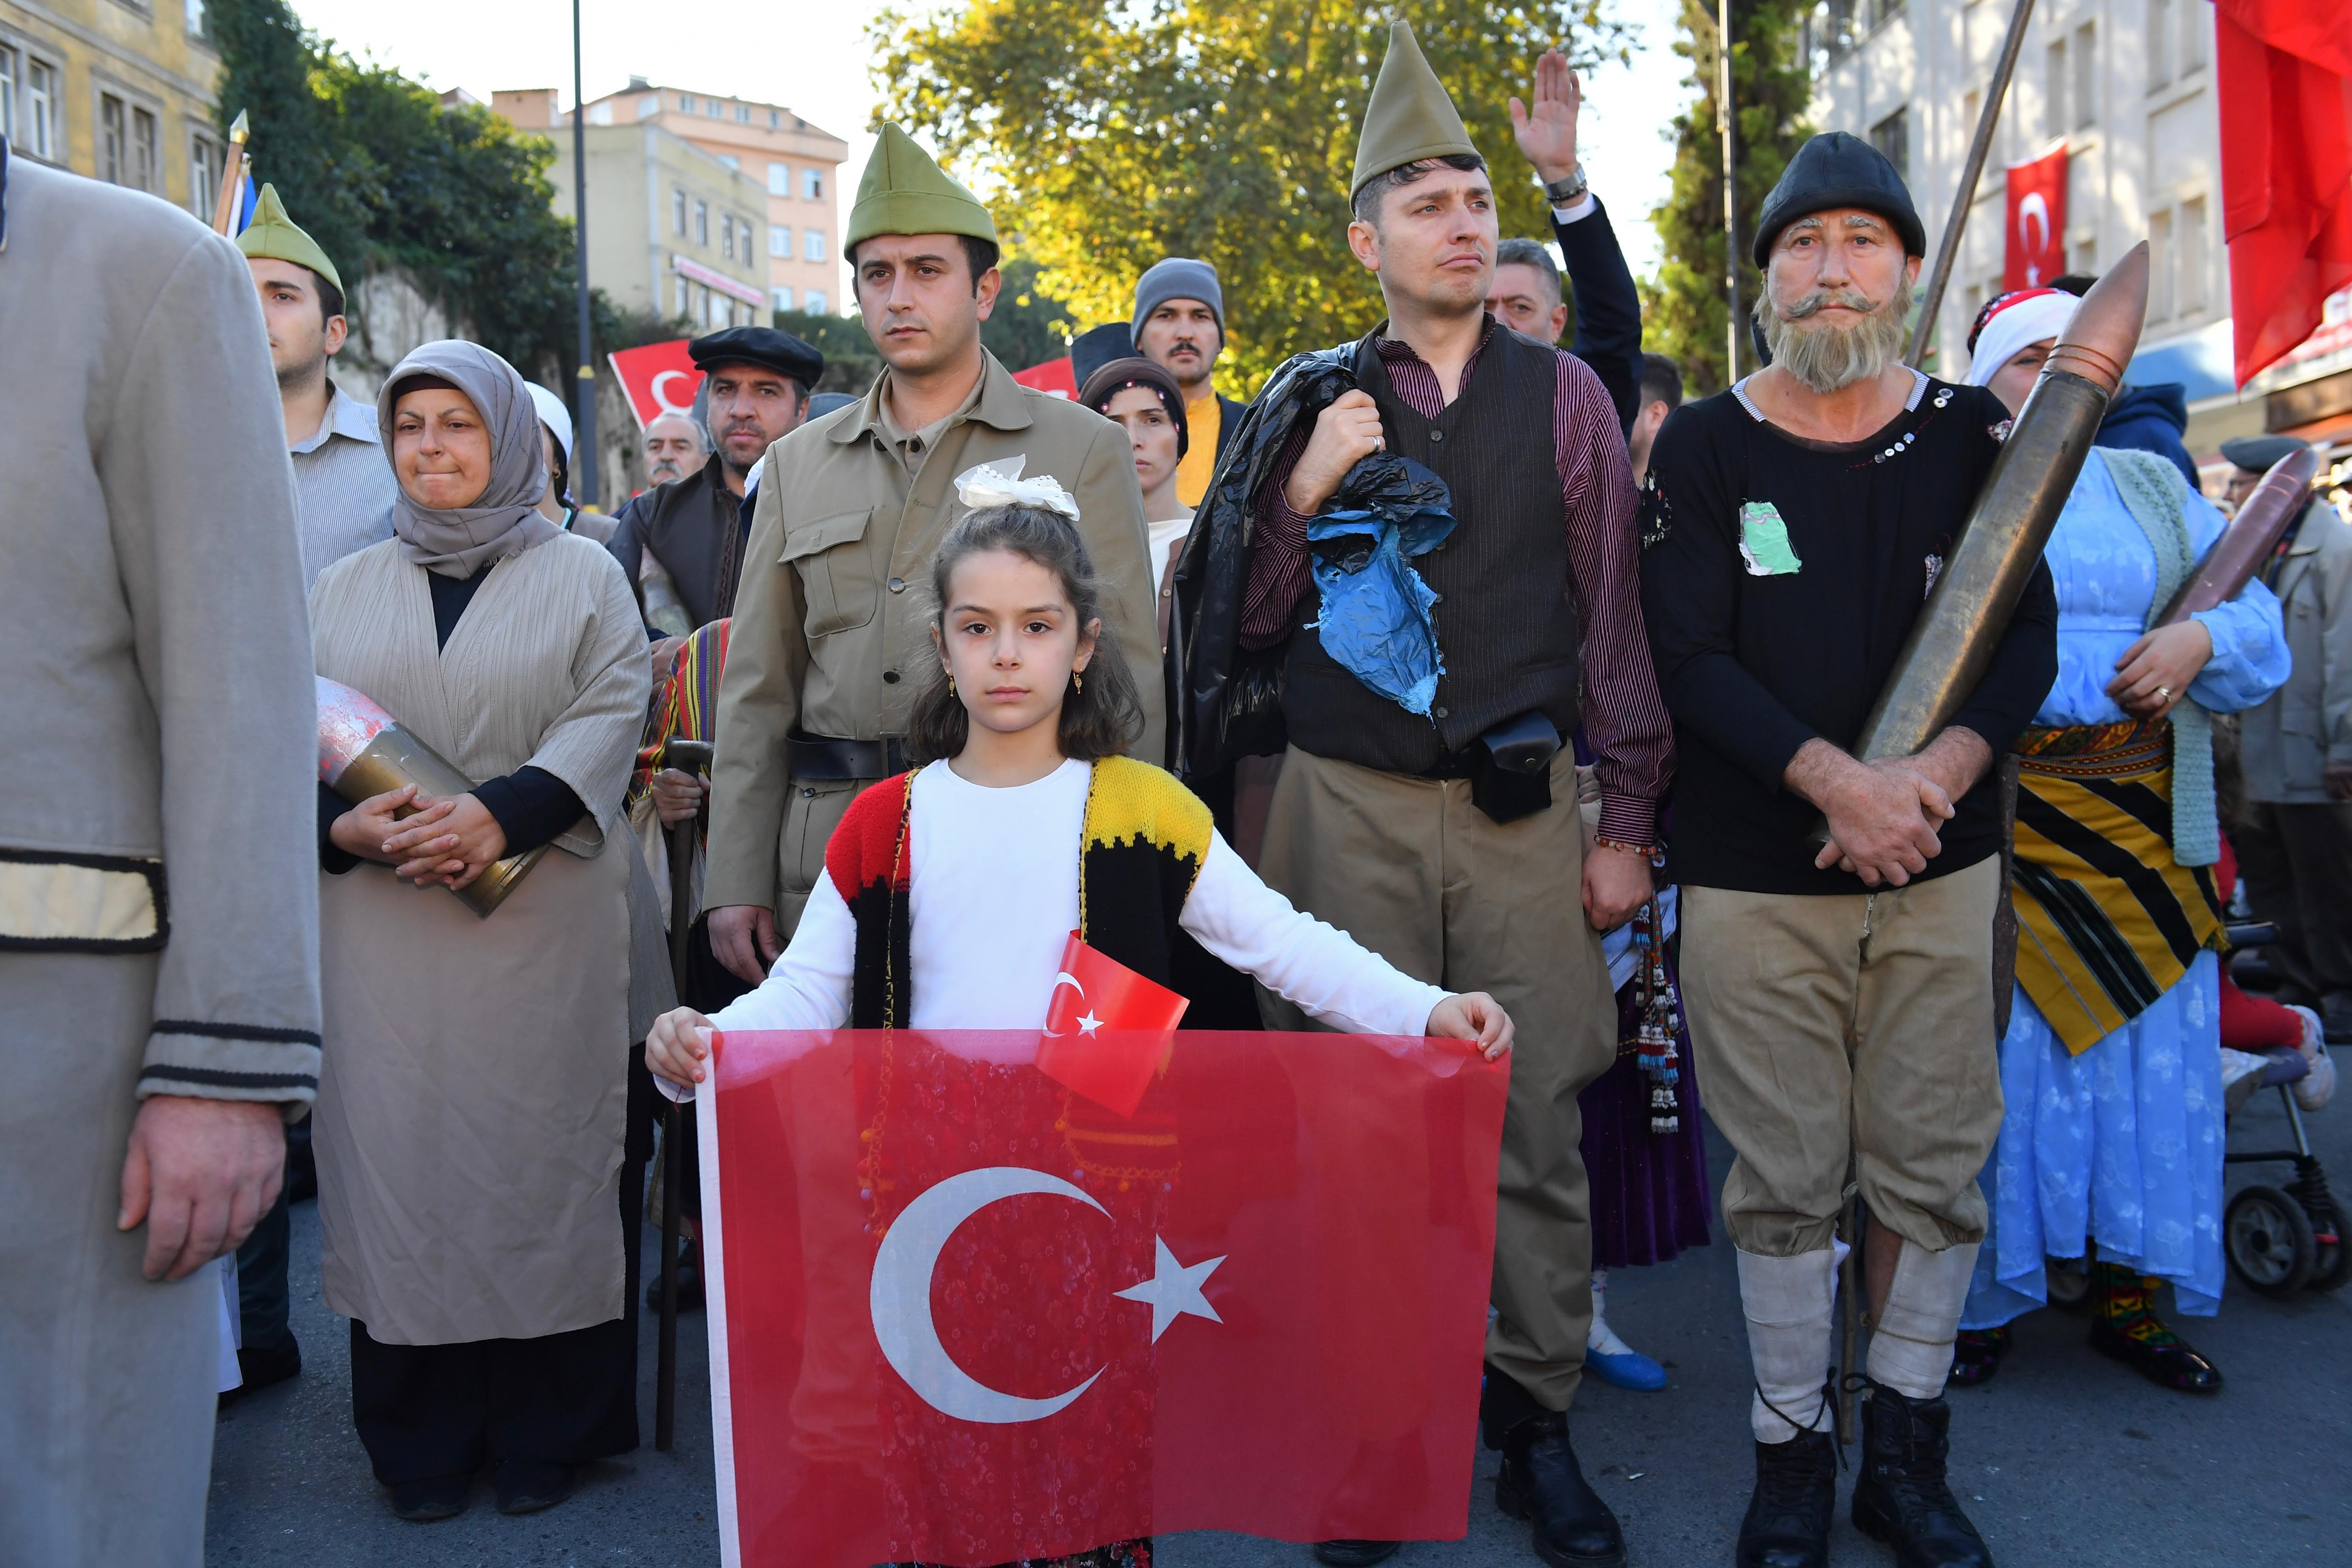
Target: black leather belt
(821, 758)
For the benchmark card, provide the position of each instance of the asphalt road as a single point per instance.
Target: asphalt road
(2065, 1459)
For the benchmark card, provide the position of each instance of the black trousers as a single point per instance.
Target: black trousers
(707, 986)
(424, 1411)
(261, 1290)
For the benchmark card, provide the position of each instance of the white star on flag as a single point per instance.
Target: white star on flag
(1089, 1024)
(1173, 1290)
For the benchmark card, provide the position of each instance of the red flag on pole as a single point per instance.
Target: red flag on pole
(960, 1314)
(658, 379)
(1108, 1029)
(2037, 221)
(2285, 79)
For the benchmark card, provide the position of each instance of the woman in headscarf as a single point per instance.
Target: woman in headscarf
(2110, 1068)
(478, 1230)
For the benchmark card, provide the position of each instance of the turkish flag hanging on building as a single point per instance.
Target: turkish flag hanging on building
(2285, 79)
(2037, 221)
(961, 1314)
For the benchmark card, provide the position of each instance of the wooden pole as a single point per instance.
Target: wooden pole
(1948, 252)
(232, 178)
(691, 757)
(1729, 126)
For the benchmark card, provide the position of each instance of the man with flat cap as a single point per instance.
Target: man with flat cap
(343, 488)
(1439, 827)
(828, 641)
(2294, 844)
(1841, 996)
(756, 387)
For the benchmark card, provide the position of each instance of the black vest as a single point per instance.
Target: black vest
(1507, 629)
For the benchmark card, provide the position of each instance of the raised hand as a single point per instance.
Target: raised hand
(1547, 133)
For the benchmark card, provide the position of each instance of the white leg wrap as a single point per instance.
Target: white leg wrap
(1911, 1348)
(1789, 1302)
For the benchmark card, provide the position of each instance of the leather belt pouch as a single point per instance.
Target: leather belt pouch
(1517, 780)
(820, 759)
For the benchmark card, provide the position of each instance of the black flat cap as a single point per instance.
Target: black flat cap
(1836, 170)
(1097, 347)
(2255, 454)
(779, 352)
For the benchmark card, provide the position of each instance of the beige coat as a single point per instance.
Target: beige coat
(2306, 725)
(832, 633)
(470, 1113)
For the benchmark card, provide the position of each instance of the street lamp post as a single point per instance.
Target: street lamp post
(584, 379)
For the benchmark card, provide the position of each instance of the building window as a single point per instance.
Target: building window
(678, 210)
(781, 298)
(732, 163)
(200, 19)
(2161, 263)
(2159, 43)
(2192, 257)
(143, 150)
(12, 68)
(727, 236)
(203, 176)
(775, 120)
(815, 302)
(780, 179)
(2053, 90)
(702, 225)
(686, 103)
(742, 114)
(41, 109)
(647, 105)
(600, 113)
(813, 245)
(681, 295)
(780, 243)
(2086, 76)
(713, 108)
(113, 139)
(2192, 37)
(811, 184)
(1892, 137)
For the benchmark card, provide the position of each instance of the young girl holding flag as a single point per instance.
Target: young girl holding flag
(951, 891)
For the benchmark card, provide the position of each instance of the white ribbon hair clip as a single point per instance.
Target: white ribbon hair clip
(1000, 484)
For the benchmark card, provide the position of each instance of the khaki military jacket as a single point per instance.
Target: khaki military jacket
(2287, 744)
(831, 626)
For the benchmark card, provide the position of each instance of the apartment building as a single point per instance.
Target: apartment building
(121, 90)
(2128, 88)
(671, 228)
(798, 164)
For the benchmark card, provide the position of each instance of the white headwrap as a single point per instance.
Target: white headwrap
(1000, 484)
(2025, 319)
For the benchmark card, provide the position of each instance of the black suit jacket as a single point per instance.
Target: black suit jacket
(1608, 311)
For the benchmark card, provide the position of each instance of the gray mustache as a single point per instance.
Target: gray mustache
(1821, 300)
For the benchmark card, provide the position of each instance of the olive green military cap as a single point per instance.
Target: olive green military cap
(1410, 115)
(273, 235)
(905, 191)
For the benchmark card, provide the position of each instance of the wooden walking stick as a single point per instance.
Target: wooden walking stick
(232, 178)
(687, 757)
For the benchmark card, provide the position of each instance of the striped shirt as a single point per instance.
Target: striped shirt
(343, 486)
(1625, 723)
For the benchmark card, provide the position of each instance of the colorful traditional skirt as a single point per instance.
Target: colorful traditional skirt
(2108, 921)
(1649, 1190)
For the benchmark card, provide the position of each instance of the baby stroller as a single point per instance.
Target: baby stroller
(2281, 1239)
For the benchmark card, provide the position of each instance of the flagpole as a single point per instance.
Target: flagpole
(1729, 127)
(1948, 251)
(584, 378)
(224, 205)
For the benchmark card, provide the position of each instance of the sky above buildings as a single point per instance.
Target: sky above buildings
(813, 59)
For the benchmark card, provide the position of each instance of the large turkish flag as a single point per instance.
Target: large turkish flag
(2036, 251)
(2285, 80)
(960, 1314)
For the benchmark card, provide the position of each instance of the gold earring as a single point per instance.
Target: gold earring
(1077, 681)
(950, 683)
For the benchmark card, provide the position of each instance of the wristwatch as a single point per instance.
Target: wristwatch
(1568, 192)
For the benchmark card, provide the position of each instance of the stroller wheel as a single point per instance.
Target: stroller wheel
(2269, 1241)
(2333, 1268)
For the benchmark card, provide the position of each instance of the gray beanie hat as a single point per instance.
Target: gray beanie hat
(1179, 277)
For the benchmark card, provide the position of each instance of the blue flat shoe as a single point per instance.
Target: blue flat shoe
(1631, 1370)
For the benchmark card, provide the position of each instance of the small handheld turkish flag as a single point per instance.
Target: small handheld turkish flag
(1108, 1029)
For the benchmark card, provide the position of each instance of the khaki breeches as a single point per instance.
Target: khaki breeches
(1848, 1028)
(107, 1382)
(1412, 869)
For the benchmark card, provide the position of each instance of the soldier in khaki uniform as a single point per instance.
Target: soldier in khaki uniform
(827, 637)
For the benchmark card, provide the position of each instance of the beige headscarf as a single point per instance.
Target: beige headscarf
(504, 520)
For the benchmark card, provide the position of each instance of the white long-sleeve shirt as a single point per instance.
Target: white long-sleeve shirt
(994, 896)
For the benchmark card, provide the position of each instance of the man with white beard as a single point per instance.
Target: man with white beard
(1841, 997)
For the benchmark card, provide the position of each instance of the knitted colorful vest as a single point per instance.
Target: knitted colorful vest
(1146, 838)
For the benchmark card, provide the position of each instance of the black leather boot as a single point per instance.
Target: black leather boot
(1901, 1497)
(1788, 1522)
(1541, 1483)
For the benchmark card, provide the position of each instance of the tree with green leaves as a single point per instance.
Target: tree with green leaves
(381, 177)
(1109, 136)
(1684, 311)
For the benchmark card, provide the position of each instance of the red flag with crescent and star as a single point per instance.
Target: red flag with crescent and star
(2036, 251)
(964, 1313)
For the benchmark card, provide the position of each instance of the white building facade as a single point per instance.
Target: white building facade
(2128, 87)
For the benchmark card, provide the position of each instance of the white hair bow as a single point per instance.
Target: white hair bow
(1000, 484)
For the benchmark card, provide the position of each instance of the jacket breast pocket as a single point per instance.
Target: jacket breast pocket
(838, 579)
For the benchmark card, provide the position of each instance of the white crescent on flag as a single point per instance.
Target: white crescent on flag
(1061, 978)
